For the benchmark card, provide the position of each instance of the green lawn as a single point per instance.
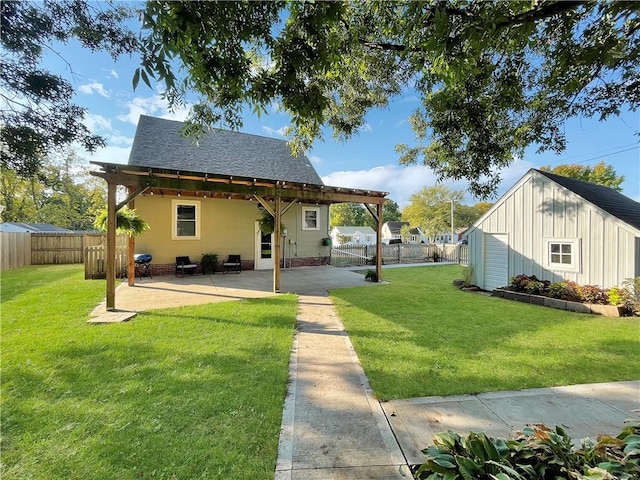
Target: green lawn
(421, 336)
(185, 393)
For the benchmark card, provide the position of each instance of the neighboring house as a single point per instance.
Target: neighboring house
(207, 196)
(32, 228)
(344, 235)
(557, 228)
(392, 230)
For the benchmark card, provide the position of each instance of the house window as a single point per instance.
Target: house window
(186, 219)
(563, 254)
(310, 218)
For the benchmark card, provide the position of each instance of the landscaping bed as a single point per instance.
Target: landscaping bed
(568, 295)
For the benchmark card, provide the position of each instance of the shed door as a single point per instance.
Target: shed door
(496, 262)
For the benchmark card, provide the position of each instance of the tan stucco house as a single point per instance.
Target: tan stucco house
(207, 196)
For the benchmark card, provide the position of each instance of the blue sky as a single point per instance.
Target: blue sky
(367, 161)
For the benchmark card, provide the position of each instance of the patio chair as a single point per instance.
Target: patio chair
(185, 264)
(233, 263)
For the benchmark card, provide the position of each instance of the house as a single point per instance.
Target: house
(393, 230)
(32, 228)
(344, 235)
(556, 228)
(209, 196)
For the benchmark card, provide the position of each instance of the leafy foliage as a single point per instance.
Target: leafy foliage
(127, 222)
(493, 77)
(37, 112)
(61, 194)
(354, 214)
(538, 453)
(430, 209)
(601, 174)
(631, 287)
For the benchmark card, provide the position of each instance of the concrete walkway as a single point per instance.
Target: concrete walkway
(332, 426)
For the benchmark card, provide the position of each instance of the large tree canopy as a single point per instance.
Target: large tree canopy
(601, 173)
(37, 114)
(493, 77)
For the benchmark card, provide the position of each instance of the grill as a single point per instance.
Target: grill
(142, 263)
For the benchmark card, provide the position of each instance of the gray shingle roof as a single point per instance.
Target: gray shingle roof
(612, 202)
(32, 227)
(395, 227)
(158, 143)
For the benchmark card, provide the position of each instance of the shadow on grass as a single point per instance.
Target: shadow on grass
(24, 280)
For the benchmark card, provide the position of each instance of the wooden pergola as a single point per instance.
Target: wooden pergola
(276, 196)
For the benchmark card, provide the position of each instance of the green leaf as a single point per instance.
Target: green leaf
(145, 78)
(136, 78)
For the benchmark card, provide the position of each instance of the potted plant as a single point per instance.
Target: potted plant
(209, 263)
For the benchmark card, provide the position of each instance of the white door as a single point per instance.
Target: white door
(264, 250)
(496, 260)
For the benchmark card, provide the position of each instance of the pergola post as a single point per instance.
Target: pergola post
(131, 248)
(111, 246)
(277, 224)
(379, 242)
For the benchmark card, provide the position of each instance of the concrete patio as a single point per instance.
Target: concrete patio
(171, 291)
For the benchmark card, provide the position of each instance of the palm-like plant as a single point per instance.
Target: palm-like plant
(127, 222)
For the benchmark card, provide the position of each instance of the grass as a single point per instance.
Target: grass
(192, 392)
(421, 336)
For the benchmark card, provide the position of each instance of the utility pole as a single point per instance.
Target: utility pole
(452, 221)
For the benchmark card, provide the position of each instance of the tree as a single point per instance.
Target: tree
(493, 77)
(465, 215)
(354, 214)
(347, 214)
(430, 209)
(601, 173)
(37, 113)
(61, 193)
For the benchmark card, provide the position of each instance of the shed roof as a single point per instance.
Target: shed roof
(605, 198)
(159, 143)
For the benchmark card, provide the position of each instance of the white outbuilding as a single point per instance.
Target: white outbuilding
(557, 228)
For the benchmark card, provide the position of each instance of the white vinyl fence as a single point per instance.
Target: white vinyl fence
(355, 255)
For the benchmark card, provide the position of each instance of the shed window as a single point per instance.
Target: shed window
(310, 218)
(563, 254)
(186, 219)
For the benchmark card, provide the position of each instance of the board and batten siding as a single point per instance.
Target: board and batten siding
(537, 209)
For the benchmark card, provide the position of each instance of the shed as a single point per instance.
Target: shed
(557, 228)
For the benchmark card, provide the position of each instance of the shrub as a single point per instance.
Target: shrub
(593, 294)
(538, 453)
(565, 290)
(534, 287)
(632, 295)
(615, 296)
(371, 276)
(518, 283)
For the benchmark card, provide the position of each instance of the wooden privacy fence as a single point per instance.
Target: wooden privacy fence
(21, 249)
(353, 255)
(16, 250)
(95, 263)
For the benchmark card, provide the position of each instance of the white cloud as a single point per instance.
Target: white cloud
(114, 74)
(110, 154)
(279, 132)
(401, 181)
(94, 87)
(315, 160)
(102, 126)
(366, 128)
(155, 106)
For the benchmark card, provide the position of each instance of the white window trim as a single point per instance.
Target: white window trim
(310, 209)
(174, 219)
(574, 266)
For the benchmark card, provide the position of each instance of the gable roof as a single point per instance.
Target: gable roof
(158, 143)
(348, 230)
(32, 227)
(605, 198)
(395, 227)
